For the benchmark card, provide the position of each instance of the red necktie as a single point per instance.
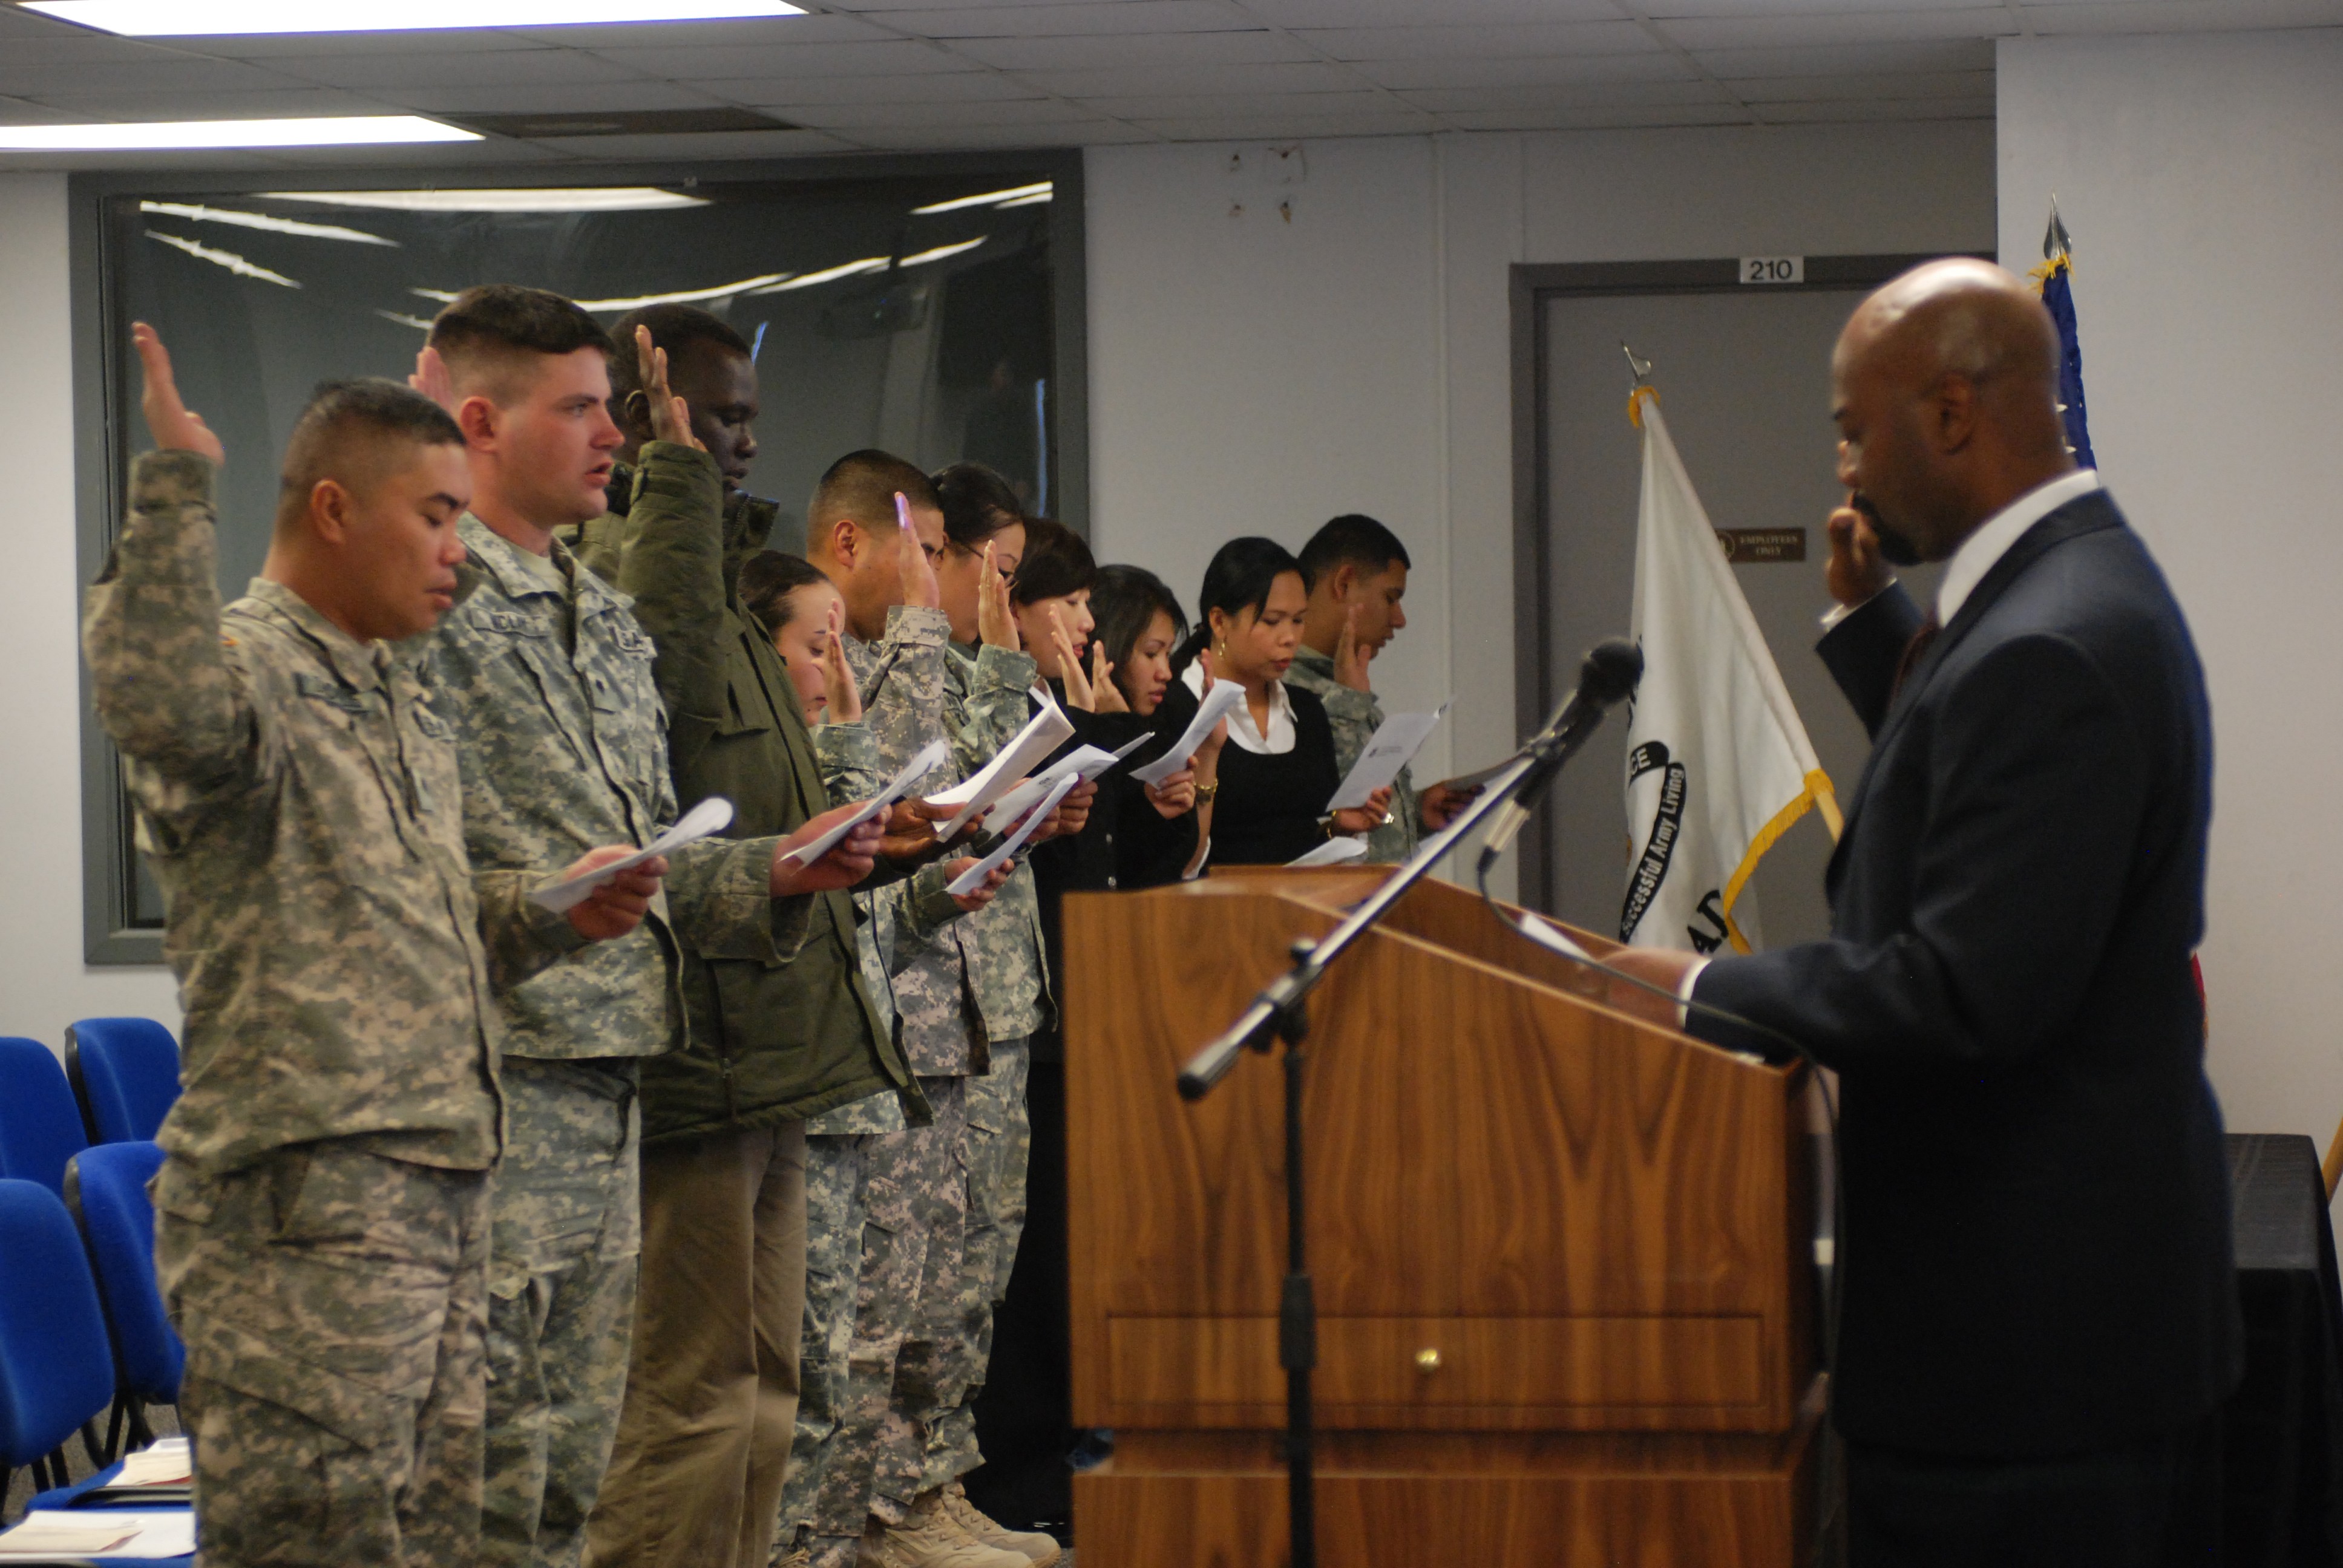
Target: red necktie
(1913, 650)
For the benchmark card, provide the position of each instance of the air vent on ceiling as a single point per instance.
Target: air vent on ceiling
(587, 122)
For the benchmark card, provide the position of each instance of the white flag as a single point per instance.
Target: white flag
(1718, 765)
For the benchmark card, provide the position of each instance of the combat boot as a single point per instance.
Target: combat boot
(928, 1539)
(1036, 1548)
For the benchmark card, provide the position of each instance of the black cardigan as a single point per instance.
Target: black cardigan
(1269, 808)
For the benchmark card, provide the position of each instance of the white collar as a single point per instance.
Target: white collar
(1242, 730)
(1982, 548)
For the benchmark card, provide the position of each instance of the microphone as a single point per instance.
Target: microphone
(1612, 670)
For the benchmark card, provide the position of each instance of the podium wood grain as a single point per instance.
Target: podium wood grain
(1534, 1221)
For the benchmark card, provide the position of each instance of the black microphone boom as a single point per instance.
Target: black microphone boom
(1612, 670)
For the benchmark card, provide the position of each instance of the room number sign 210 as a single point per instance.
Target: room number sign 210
(1773, 270)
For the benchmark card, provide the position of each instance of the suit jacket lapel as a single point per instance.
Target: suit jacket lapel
(2082, 515)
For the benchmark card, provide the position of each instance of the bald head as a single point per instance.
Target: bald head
(1946, 395)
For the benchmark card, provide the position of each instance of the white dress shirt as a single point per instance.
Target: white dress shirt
(1976, 556)
(1242, 731)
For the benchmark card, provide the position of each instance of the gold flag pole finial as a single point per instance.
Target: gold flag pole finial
(1641, 369)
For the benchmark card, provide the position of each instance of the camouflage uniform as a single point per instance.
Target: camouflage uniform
(322, 1218)
(1356, 716)
(546, 679)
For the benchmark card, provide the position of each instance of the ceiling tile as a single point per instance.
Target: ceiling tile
(963, 87)
(696, 144)
(1831, 60)
(2182, 15)
(1449, 102)
(852, 117)
(1861, 111)
(1296, 128)
(1419, 13)
(745, 32)
(270, 47)
(1308, 76)
(1480, 43)
(1198, 105)
(1905, 84)
(190, 74)
(1066, 21)
(512, 67)
(993, 137)
(1864, 28)
(1666, 10)
(893, 57)
(1612, 117)
(544, 98)
(1106, 53)
(80, 48)
(231, 105)
(1657, 67)
(24, 112)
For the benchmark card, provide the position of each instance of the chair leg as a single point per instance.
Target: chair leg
(142, 1431)
(113, 1422)
(58, 1467)
(98, 1457)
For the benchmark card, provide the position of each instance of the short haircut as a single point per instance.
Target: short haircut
(1124, 602)
(674, 327)
(488, 333)
(1353, 539)
(766, 580)
(1239, 577)
(977, 504)
(862, 485)
(1057, 562)
(351, 432)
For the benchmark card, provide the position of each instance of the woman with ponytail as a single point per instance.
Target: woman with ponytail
(1277, 773)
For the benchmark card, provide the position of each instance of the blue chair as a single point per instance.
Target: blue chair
(127, 1072)
(106, 1188)
(40, 1125)
(57, 1370)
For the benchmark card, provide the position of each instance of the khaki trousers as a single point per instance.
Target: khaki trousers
(703, 1446)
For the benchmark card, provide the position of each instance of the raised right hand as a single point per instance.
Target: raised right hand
(176, 428)
(919, 590)
(670, 416)
(996, 623)
(1857, 570)
(844, 704)
(1349, 655)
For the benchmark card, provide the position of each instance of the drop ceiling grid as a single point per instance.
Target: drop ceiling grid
(945, 74)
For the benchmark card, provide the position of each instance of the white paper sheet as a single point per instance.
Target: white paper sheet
(1043, 733)
(967, 881)
(1089, 762)
(111, 1532)
(931, 756)
(156, 1466)
(1552, 937)
(710, 815)
(1333, 852)
(1394, 743)
(1219, 702)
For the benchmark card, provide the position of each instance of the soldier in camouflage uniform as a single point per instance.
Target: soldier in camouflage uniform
(322, 1216)
(906, 1370)
(547, 678)
(1356, 570)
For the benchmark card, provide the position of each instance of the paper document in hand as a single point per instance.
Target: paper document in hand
(1043, 733)
(1332, 853)
(967, 881)
(1220, 701)
(1088, 762)
(711, 815)
(1392, 746)
(931, 756)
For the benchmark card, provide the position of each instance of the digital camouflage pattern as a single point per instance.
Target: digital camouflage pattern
(561, 1294)
(1000, 1148)
(331, 1303)
(985, 704)
(299, 801)
(837, 1172)
(1356, 716)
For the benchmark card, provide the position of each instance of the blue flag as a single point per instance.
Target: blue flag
(2059, 298)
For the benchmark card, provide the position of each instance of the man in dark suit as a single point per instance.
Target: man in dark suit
(2039, 1319)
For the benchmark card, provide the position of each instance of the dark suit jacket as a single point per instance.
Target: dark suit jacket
(2036, 1253)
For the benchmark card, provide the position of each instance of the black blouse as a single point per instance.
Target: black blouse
(1269, 807)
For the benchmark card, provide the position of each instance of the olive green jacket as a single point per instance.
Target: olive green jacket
(781, 1028)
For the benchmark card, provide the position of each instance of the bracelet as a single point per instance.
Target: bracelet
(1204, 792)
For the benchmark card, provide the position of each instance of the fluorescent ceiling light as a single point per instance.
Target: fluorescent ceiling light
(682, 296)
(178, 18)
(828, 275)
(339, 131)
(942, 251)
(990, 198)
(591, 198)
(1037, 199)
(226, 258)
(263, 221)
(404, 320)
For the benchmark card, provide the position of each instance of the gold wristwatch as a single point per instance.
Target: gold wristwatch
(1204, 792)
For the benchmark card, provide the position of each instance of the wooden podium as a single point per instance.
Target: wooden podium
(1563, 1257)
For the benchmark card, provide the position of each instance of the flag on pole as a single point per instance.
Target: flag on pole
(2056, 278)
(1718, 764)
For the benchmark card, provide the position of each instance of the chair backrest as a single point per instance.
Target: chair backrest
(55, 1369)
(106, 1188)
(127, 1072)
(40, 1125)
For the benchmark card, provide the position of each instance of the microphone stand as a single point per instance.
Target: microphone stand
(1279, 1013)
